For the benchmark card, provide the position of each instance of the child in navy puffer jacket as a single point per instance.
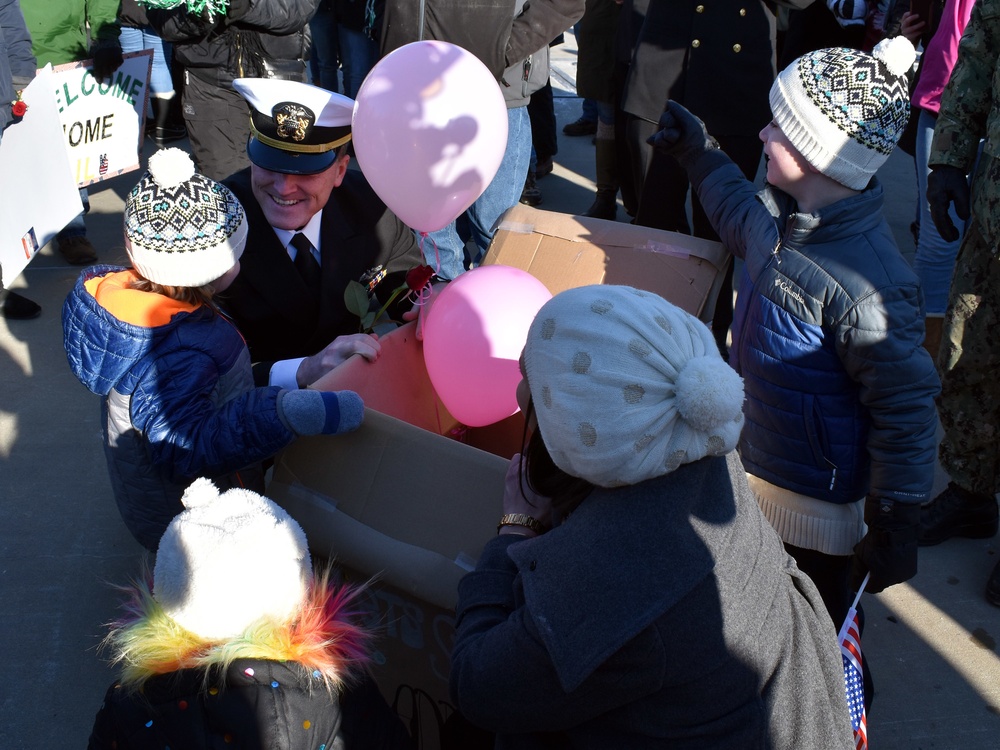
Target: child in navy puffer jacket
(179, 400)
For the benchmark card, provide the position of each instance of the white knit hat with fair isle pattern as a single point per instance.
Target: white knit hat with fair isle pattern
(181, 228)
(843, 109)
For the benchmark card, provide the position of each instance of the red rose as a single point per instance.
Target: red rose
(19, 108)
(417, 278)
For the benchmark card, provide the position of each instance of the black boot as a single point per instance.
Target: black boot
(531, 195)
(993, 586)
(605, 205)
(166, 125)
(958, 512)
(17, 307)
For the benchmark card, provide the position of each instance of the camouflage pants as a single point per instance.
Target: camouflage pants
(969, 364)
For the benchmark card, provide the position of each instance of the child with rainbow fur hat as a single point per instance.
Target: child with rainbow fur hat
(179, 400)
(236, 642)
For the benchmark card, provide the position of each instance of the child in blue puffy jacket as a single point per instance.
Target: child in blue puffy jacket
(840, 434)
(179, 400)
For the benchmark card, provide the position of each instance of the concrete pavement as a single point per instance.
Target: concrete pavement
(931, 643)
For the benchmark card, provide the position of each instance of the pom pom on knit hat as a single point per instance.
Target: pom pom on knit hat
(627, 386)
(228, 561)
(844, 110)
(181, 228)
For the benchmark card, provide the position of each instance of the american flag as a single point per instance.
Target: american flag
(854, 686)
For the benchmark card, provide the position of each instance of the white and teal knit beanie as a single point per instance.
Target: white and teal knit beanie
(843, 109)
(181, 228)
(627, 386)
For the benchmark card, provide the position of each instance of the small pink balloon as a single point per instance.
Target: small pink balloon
(429, 131)
(473, 336)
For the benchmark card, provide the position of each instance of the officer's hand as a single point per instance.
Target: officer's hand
(944, 185)
(337, 352)
(681, 134)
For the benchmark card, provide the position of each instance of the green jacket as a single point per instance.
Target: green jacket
(970, 111)
(59, 27)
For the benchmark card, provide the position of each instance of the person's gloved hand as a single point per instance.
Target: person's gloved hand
(681, 134)
(889, 550)
(848, 12)
(944, 185)
(107, 55)
(309, 412)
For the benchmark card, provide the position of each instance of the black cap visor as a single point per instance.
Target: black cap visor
(278, 160)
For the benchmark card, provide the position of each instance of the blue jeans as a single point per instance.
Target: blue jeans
(134, 40)
(325, 58)
(502, 193)
(934, 260)
(358, 55)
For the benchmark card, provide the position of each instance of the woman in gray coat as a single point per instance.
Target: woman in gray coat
(635, 596)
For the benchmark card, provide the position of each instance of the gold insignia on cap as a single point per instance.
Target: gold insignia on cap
(292, 120)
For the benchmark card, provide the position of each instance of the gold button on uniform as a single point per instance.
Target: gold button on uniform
(737, 47)
(699, 9)
(695, 43)
(743, 11)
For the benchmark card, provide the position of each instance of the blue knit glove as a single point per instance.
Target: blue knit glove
(309, 412)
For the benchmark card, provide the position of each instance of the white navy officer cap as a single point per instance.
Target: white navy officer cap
(295, 128)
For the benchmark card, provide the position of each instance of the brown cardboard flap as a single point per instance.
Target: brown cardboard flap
(564, 251)
(429, 503)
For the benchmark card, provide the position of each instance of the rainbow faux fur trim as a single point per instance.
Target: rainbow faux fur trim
(326, 638)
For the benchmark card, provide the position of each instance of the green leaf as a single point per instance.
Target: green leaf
(356, 299)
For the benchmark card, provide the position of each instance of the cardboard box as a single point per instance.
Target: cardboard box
(412, 496)
(566, 251)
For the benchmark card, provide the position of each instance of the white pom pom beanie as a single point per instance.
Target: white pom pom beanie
(181, 228)
(627, 386)
(228, 561)
(843, 109)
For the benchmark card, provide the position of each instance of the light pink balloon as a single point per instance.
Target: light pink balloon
(430, 129)
(473, 337)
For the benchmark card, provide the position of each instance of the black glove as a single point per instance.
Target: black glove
(944, 185)
(681, 134)
(107, 55)
(889, 550)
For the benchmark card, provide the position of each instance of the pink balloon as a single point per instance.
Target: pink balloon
(473, 336)
(430, 129)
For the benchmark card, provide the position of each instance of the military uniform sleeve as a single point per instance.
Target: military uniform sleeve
(967, 99)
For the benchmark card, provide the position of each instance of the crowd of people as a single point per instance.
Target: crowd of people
(682, 489)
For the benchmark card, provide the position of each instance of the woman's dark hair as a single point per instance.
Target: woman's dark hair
(545, 478)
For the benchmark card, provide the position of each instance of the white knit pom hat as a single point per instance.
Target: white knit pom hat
(228, 561)
(627, 386)
(181, 228)
(843, 109)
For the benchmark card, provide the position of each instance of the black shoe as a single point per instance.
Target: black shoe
(543, 168)
(993, 586)
(16, 307)
(531, 195)
(581, 127)
(958, 512)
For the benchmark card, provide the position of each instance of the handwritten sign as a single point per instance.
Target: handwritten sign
(102, 121)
